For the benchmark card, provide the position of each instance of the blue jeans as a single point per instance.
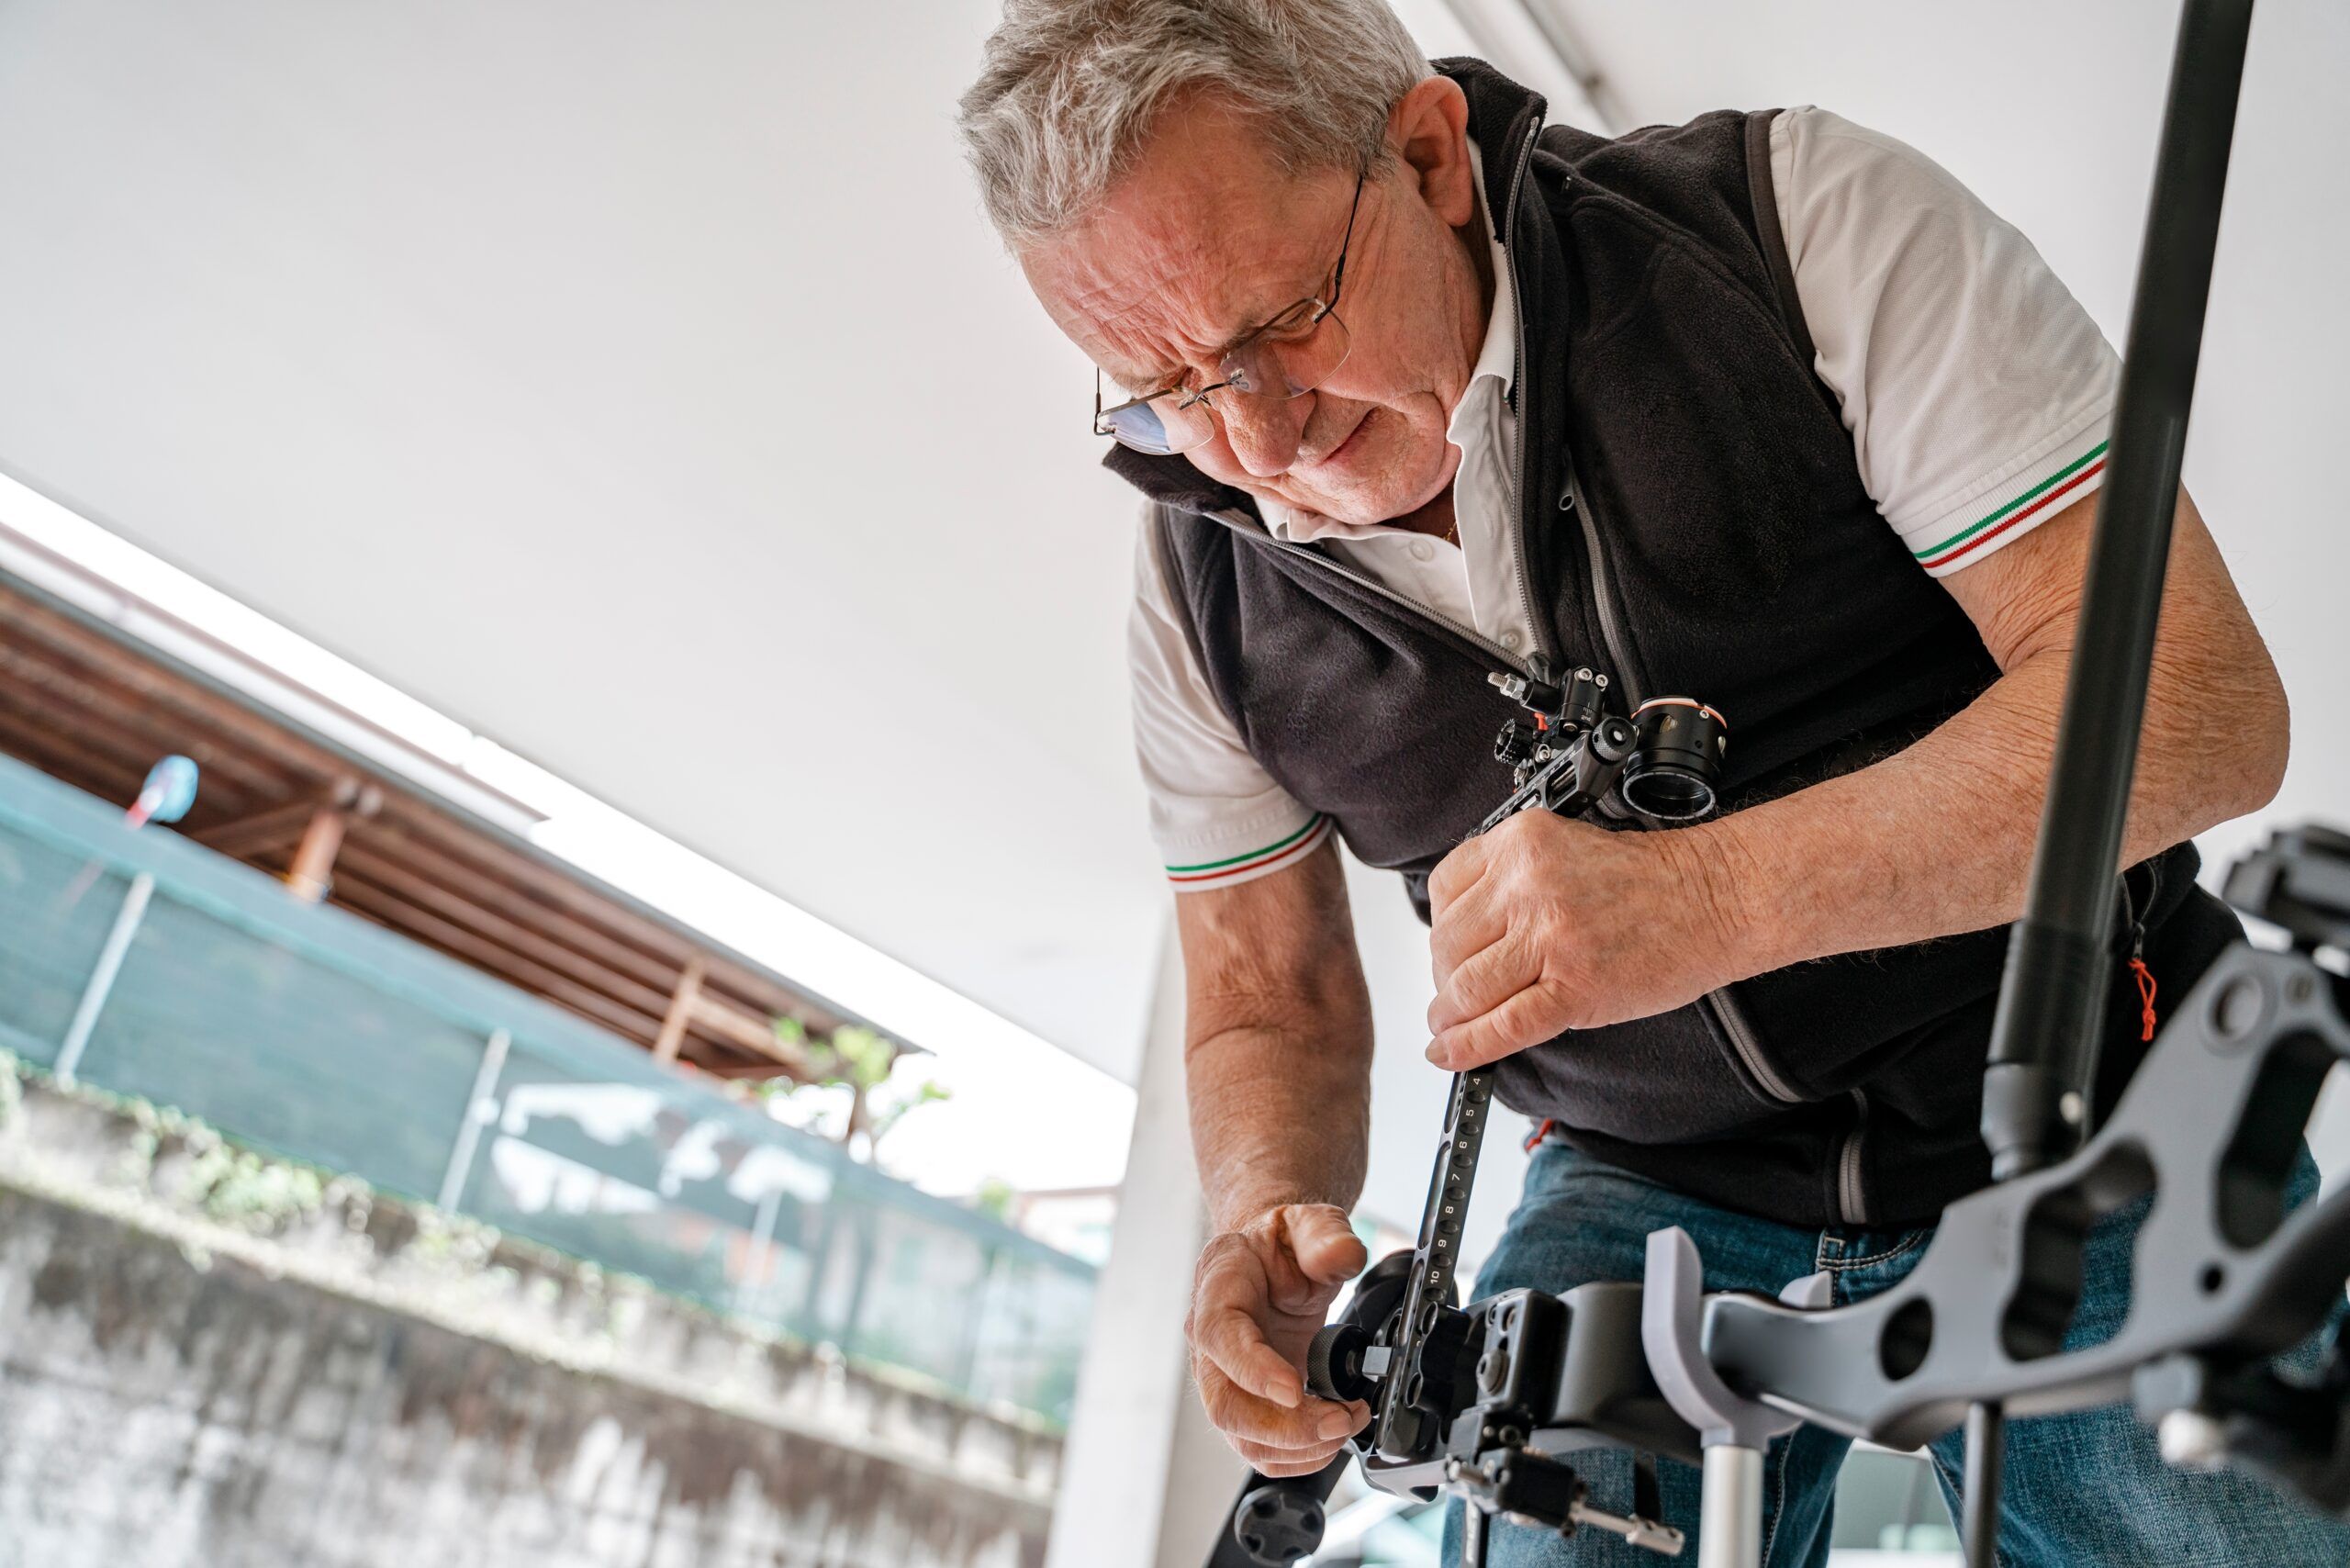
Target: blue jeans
(2080, 1490)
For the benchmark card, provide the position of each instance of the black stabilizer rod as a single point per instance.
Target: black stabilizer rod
(2045, 1035)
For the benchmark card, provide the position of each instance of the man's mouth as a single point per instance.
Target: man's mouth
(1337, 454)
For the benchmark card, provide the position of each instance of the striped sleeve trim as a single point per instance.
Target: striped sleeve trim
(1285, 851)
(2036, 505)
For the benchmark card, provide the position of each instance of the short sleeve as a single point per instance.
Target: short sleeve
(1977, 390)
(1218, 818)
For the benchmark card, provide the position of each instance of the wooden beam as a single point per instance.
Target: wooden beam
(461, 873)
(263, 830)
(681, 1008)
(756, 1036)
(275, 826)
(265, 739)
(254, 761)
(91, 701)
(313, 870)
(109, 778)
(405, 918)
(478, 859)
(398, 869)
(24, 711)
(372, 877)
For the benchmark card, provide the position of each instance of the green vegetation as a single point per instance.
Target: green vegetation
(862, 1062)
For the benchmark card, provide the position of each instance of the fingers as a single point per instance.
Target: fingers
(1230, 1290)
(1481, 982)
(1231, 1340)
(1471, 921)
(1278, 1469)
(1325, 1246)
(1456, 874)
(1279, 1270)
(1527, 1019)
(1318, 1426)
(1268, 1461)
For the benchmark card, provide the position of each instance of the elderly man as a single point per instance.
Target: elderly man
(1766, 409)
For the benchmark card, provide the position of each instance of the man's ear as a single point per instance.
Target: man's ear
(1429, 126)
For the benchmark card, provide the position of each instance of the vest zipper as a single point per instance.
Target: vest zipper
(1852, 1201)
(1541, 653)
(1728, 1015)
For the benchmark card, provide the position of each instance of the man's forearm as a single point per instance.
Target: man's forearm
(1938, 839)
(1277, 1058)
(1277, 1119)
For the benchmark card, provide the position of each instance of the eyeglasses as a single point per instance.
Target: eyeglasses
(1288, 356)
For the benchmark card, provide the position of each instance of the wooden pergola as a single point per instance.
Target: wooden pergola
(96, 710)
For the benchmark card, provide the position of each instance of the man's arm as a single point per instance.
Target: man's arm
(1938, 838)
(1545, 924)
(1277, 1066)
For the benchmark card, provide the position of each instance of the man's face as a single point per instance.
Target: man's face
(1205, 240)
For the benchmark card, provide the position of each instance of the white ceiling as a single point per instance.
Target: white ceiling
(634, 384)
(639, 385)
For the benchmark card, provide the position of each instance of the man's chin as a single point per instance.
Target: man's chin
(1374, 504)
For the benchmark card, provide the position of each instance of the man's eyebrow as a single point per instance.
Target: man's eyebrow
(1167, 380)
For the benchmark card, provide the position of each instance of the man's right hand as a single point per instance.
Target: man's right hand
(1257, 1298)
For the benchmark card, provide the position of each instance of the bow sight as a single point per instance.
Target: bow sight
(1490, 1402)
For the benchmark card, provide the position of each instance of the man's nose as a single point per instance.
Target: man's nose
(1263, 431)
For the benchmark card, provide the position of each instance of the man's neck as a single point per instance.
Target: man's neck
(1435, 519)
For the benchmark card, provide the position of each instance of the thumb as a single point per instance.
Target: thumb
(1324, 1244)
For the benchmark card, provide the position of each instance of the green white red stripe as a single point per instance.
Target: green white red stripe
(1283, 851)
(2039, 502)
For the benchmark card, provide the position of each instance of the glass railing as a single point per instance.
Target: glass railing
(141, 963)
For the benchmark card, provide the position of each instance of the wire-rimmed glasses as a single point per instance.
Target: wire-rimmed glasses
(1288, 356)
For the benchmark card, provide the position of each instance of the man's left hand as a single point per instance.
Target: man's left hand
(1545, 924)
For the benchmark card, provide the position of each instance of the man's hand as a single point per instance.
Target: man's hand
(1260, 1293)
(1546, 923)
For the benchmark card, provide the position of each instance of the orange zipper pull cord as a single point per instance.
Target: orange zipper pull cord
(2145, 979)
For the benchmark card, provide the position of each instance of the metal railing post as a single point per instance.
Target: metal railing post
(967, 1352)
(102, 978)
(481, 1108)
(762, 1253)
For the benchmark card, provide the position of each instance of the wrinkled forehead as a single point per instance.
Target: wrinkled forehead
(1204, 239)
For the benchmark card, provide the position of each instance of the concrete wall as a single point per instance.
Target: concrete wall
(337, 1383)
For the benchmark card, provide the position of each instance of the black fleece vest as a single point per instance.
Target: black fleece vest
(1694, 523)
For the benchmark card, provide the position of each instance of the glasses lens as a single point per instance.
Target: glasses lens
(1158, 426)
(1289, 362)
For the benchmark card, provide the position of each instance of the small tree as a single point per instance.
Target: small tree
(862, 1062)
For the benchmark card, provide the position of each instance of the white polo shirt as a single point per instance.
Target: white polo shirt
(1976, 389)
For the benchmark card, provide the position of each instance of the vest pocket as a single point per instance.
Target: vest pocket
(1676, 1078)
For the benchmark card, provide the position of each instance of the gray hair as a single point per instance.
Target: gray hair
(1070, 90)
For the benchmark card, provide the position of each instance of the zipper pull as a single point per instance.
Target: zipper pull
(2137, 960)
(2145, 979)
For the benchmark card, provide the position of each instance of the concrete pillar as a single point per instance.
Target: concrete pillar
(1146, 1481)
